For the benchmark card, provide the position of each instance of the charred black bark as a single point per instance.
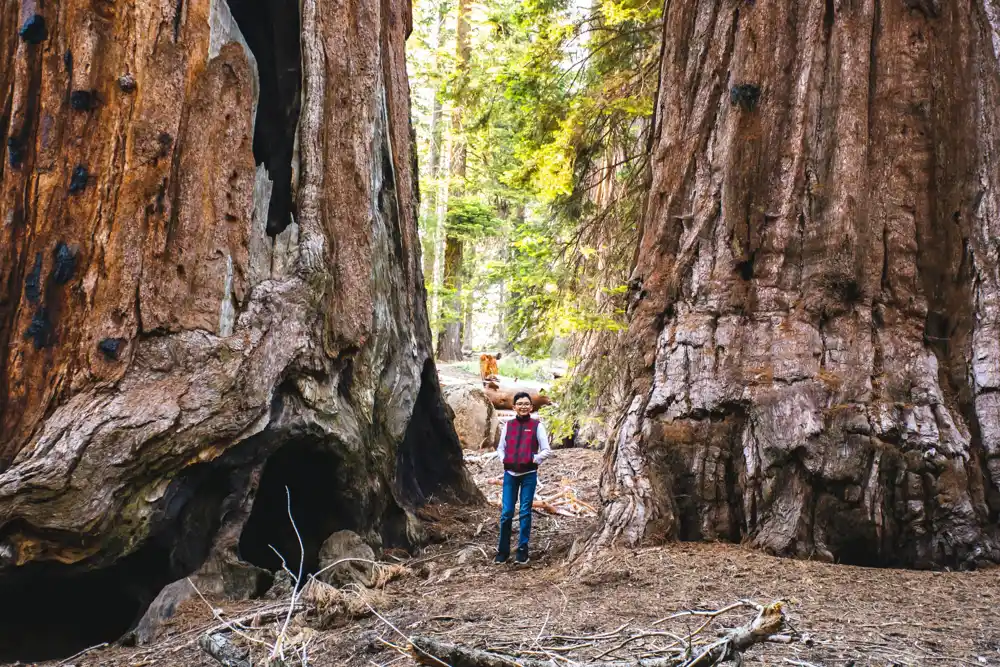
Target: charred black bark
(271, 29)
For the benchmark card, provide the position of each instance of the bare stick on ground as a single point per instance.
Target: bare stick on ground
(765, 626)
(219, 647)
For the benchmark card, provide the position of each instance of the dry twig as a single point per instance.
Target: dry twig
(696, 652)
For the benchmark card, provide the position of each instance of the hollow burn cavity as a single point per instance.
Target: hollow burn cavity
(429, 458)
(54, 615)
(271, 30)
(745, 268)
(310, 469)
(54, 618)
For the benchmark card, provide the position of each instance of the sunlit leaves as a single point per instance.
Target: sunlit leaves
(556, 106)
(471, 220)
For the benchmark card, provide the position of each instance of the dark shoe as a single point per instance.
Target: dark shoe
(522, 557)
(501, 559)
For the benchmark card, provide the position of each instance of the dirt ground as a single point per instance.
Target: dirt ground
(852, 615)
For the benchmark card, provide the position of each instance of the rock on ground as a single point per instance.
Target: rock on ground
(475, 417)
(342, 545)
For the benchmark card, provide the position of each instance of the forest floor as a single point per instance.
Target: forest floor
(452, 591)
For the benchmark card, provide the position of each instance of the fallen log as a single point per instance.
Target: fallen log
(429, 651)
(503, 397)
(481, 458)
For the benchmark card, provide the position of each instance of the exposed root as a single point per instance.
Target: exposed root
(631, 503)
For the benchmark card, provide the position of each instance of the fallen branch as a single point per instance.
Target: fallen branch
(564, 503)
(459, 656)
(278, 650)
(81, 653)
(480, 458)
(764, 627)
(219, 647)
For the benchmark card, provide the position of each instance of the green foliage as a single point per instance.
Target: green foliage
(573, 399)
(556, 107)
(524, 370)
(512, 367)
(471, 220)
(449, 307)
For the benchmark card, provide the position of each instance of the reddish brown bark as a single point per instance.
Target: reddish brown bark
(158, 345)
(813, 304)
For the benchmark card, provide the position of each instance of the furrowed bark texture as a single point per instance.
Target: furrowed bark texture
(160, 340)
(815, 302)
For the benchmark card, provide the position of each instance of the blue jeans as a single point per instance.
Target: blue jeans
(512, 484)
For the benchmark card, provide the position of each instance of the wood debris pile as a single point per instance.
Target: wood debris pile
(565, 502)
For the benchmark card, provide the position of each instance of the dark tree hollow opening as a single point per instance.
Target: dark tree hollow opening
(429, 457)
(271, 29)
(48, 616)
(309, 469)
(51, 612)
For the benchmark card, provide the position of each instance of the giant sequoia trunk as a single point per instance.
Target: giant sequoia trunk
(815, 304)
(198, 311)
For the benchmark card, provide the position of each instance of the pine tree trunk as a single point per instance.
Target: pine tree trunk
(449, 344)
(437, 279)
(815, 305)
(177, 324)
(468, 296)
(434, 166)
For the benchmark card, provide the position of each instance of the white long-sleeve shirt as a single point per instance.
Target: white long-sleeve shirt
(544, 451)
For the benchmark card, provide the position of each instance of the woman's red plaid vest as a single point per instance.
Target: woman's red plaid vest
(521, 445)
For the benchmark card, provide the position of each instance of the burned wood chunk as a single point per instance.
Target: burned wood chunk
(161, 196)
(164, 143)
(78, 181)
(39, 332)
(33, 29)
(83, 100)
(110, 347)
(745, 95)
(745, 268)
(929, 8)
(126, 82)
(64, 265)
(15, 151)
(33, 283)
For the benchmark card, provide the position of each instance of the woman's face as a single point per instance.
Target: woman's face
(523, 407)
